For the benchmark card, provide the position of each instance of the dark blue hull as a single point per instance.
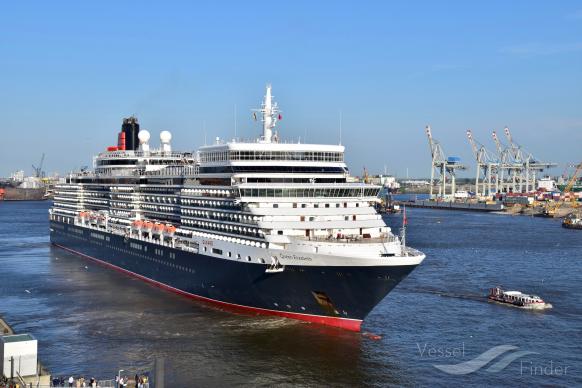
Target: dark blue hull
(336, 296)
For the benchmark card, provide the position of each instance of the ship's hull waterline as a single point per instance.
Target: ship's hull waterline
(334, 296)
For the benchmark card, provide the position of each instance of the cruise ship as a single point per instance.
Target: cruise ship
(263, 225)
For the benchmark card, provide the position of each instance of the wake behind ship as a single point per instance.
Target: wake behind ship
(265, 225)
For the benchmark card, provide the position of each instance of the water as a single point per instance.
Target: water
(93, 321)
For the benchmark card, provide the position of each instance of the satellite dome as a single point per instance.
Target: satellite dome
(165, 136)
(143, 136)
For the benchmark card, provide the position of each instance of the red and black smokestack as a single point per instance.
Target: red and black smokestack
(129, 131)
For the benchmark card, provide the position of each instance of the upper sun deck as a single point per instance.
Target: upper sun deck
(154, 153)
(269, 147)
(236, 151)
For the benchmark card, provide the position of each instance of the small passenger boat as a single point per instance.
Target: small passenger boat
(518, 299)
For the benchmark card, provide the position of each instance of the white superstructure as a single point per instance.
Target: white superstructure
(263, 201)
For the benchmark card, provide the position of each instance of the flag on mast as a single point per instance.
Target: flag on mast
(404, 220)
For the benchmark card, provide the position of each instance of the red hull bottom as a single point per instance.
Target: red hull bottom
(343, 323)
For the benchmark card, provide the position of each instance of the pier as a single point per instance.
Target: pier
(450, 205)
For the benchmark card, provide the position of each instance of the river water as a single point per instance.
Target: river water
(94, 321)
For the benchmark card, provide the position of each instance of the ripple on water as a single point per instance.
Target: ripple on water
(93, 321)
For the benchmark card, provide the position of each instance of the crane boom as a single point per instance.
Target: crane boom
(551, 211)
(572, 180)
(497, 144)
(508, 135)
(473, 144)
(38, 170)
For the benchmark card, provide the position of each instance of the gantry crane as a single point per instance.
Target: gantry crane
(526, 166)
(517, 167)
(445, 166)
(487, 167)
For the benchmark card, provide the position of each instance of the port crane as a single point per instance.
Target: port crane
(517, 167)
(502, 157)
(509, 163)
(442, 165)
(551, 210)
(38, 173)
(487, 167)
(527, 166)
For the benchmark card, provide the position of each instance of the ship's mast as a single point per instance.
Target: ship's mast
(270, 112)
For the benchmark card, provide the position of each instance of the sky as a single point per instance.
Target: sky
(71, 71)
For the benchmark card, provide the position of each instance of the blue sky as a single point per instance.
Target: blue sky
(70, 71)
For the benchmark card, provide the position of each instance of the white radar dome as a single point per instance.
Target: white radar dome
(165, 136)
(143, 136)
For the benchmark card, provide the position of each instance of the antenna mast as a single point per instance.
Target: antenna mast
(270, 114)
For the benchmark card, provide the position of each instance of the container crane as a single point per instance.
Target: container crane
(527, 166)
(487, 167)
(442, 165)
(504, 158)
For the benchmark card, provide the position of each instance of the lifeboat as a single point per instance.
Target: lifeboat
(170, 229)
(137, 224)
(148, 225)
(158, 228)
(83, 214)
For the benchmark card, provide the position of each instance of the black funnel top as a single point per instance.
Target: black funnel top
(130, 127)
